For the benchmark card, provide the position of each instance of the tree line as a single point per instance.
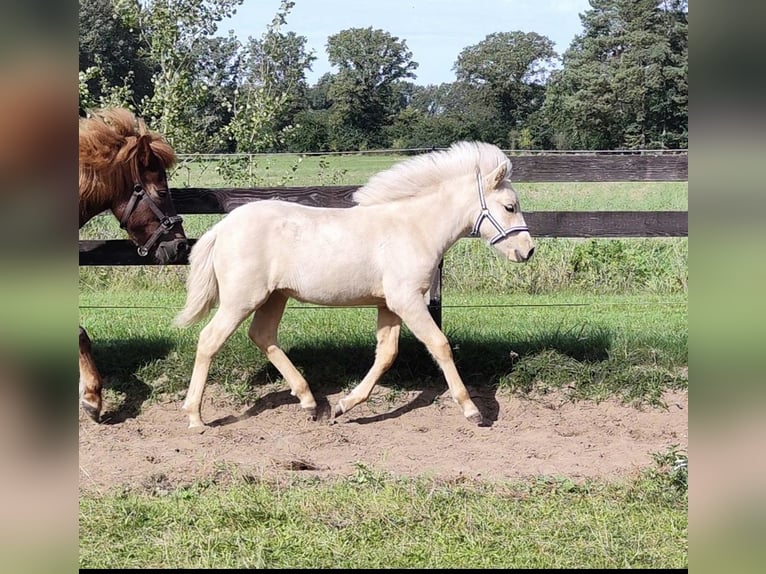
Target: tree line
(621, 84)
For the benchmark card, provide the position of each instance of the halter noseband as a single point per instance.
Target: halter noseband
(485, 214)
(166, 222)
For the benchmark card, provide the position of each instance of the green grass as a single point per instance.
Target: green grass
(593, 196)
(602, 318)
(599, 266)
(280, 169)
(373, 520)
(603, 266)
(633, 347)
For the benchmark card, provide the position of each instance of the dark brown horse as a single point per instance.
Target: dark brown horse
(123, 169)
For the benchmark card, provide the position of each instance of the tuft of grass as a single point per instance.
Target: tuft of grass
(594, 380)
(605, 266)
(372, 520)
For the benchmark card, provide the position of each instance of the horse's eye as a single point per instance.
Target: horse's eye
(510, 208)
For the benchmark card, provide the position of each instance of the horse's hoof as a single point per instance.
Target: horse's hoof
(478, 420)
(94, 412)
(311, 413)
(336, 412)
(197, 429)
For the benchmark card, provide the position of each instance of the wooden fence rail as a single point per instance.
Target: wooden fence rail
(533, 168)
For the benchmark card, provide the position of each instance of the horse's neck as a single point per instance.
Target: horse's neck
(443, 217)
(90, 209)
(101, 192)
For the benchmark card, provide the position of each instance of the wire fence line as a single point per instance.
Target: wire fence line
(487, 306)
(236, 155)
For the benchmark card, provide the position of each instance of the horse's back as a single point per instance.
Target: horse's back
(300, 230)
(320, 255)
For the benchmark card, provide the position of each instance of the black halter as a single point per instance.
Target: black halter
(485, 214)
(166, 221)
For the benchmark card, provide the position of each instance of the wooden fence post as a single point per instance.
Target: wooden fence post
(435, 296)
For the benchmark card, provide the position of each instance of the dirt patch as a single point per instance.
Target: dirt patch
(405, 433)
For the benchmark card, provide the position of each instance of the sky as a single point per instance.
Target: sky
(435, 31)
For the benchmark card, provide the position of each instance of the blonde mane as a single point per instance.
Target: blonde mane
(108, 147)
(423, 173)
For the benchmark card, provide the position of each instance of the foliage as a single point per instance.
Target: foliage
(105, 95)
(621, 83)
(441, 115)
(509, 70)
(624, 81)
(311, 132)
(178, 36)
(272, 88)
(625, 265)
(363, 97)
(673, 467)
(112, 65)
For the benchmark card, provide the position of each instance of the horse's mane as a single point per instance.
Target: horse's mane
(424, 172)
(108, 146)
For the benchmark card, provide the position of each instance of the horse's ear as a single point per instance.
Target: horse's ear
(144, 150)
(499, 175)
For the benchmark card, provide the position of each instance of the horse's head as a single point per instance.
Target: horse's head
(149, 215)
(500, 221)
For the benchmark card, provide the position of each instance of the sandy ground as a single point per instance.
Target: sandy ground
(416, 433)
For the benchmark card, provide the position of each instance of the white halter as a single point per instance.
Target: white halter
(485, 214)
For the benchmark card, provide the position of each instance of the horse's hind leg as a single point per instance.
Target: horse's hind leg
(211, 339)
(389, 325)
(90, 379)
(415, 314)
(263, 332)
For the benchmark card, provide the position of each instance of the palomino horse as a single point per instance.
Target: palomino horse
(382, 251)
(123, 169)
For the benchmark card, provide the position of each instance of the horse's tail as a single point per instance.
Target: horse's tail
(202, 284)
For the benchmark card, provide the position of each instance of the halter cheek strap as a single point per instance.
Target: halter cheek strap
(485, 214)
(166, 222)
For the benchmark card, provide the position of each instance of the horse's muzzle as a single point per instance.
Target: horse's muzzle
(175, 251)
(521, 257)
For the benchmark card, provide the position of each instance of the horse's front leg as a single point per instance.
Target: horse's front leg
(389, 324)
(414, 313)
(90, 379)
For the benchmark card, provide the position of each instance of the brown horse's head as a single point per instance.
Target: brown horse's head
(148, 215)
(123, 168)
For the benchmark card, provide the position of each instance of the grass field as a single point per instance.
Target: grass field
(372, 521)
(608, 317)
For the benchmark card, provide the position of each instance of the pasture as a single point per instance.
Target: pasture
(579, 358)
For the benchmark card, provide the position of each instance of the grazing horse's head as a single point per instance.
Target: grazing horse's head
(500, 221)
(148, 214)
(123, 169)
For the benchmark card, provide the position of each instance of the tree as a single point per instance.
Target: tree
(272, 89)
(509, 71)
(317, 95)
(362, 93)
(624, 81)
(429, 100)
(111, 61)
(178, 37)
(215, 68)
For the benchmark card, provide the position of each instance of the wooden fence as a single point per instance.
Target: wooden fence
(642, 167)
